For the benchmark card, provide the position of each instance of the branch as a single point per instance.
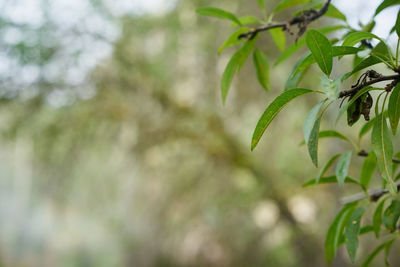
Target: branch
(303, 20)
(363, 153)
(374, 195)
(354, 90)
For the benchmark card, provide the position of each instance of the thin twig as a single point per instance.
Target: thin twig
(373, 194)
(363, 153)
(303, 20)
(354, 90)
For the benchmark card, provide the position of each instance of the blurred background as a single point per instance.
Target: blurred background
(116, 150)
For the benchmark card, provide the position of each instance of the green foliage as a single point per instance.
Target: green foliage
(262, 68)
(321, 49)
(218, 13)
(342, 167)
(360, 44)
(273, 110)
(394, 108)
(368, 169)
(353, 231)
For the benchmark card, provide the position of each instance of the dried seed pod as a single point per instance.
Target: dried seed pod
(366, 105)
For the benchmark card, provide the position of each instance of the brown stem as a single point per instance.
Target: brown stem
(374, 195)
(376, 80)
(284, 25)
(363, 153)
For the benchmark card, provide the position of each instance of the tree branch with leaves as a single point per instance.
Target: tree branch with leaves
(359, 44)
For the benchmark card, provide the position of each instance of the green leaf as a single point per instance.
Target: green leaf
(342, 167)
(279, 38)
(310, 120)
(372, 256)
(364, 230)
(333, 12)
(379, 54)
(261, 4)
(262, 68)
(397, 25)
(336, 51)
(295, 77)
(326, 167)
(288, 3)
(233, 39)
(331, 134)
(313, 142)
(382, 52)
(321, 50)
(394, 108)
(218, 13)
(355, 37)
(293, 48)
(386, 4)
(336, 229)
(387, 250)
(272, 110)
(233, 66)
(246, 20)
(383, 148)
(369, 61)
(366, 127)
(368, 169)
(330, 180)
(391, 215)
(377, 218)
(352, 232)
(228, 75)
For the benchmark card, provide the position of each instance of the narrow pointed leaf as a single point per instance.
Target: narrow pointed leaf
(295, 77)
(386, 4)
(313, 142)
(288, 3)
(377, 217)
(368, 169)
(352, 232)
(335, 231)
(397, 25)
(228, 75)
(234, 65)
(356, 37)
(272, 110)
(321, 50)
(261, 4)
(329, 134)
(394, 108)
(262, 68)
(246, 20)
(376, 251)
(233, 39)
(279, 37)
(342, 167)
(326, 167)
(218, 13)
(310, 120)
(336, 51)
(366, 127)
(330, 180)
(294, 47)
(391, 215)
(383, 148)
